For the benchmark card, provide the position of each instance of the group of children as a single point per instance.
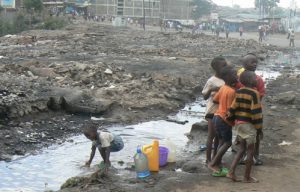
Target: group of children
(234, 102)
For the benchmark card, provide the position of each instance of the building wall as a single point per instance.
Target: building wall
(176, 9)
(167, 9)
(10, 14)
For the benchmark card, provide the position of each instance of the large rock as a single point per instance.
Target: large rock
(77, 101)
(43, 72)
(194, 167)
(286, 97)
(5, 157)
(199, 126)
(198, 131)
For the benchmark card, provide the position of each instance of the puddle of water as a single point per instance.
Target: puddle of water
(289, 62)
(56, 164)
(51, 167)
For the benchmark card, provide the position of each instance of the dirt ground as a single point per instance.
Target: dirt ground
(51, 88)
(280, 171)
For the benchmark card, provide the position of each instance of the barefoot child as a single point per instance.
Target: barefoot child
(250, 62)
(212, 85)
(247, 112)
(224, 98)
(106, 142)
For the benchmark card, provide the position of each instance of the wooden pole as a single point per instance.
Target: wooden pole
(144, 15)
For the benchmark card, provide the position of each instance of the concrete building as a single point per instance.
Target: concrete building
(11, 9)
(156, 9)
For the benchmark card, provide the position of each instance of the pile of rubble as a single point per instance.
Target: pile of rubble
(123, 75)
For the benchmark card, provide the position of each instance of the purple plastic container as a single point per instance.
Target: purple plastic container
(163, 156)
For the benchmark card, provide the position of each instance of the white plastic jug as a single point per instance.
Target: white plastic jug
(172, 151)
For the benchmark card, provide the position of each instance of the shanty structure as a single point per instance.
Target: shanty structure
(249, 22)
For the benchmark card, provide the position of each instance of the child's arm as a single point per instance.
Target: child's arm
(207, 89)
(261, 87)
(207, 94)
(88, 163)
(216, 98)
(105, 153)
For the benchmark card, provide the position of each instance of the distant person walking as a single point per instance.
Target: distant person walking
(260, 33)
(292, 38)
(218, 31)
(213, 28)
(241, 30)
(289, 32)
(227, 31)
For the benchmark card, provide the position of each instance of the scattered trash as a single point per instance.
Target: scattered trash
(172, 58)
(108, 71)
(112, 87)
(285, 143)
(152, 152)
(97, 119)
(177, 121)
(141, 164)
(121, 163)
(203, 147)
(163, 156)
(172, 151)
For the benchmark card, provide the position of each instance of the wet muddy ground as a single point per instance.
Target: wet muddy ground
(131, 78)
(51, 167)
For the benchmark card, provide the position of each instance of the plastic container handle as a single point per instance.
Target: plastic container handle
(147, 147)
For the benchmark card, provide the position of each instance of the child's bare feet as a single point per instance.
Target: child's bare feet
(233, 177)
(213, 168)
(250, 180)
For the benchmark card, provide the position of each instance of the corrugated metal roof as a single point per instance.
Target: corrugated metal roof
(233, 20)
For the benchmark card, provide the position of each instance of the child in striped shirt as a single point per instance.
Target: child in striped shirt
(247, 112)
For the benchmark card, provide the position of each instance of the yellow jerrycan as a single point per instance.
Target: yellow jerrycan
(152, 152)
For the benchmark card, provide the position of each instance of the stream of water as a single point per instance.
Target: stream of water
(50, 168)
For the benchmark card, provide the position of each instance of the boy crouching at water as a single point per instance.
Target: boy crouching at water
(106, 142)
(247, 112)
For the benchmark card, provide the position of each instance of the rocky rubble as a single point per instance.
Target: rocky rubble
(122, 75)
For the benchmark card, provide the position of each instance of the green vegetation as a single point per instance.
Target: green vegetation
(202, 7)
(31, 20)
(266, 5)
(16, 26)
(33, 5)
(21, 23)
(53, 23)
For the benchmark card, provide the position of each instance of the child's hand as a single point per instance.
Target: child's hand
(215, 89)
(88, 164)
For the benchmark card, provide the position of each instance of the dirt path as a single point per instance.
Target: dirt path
(280, 171)
(276, 39)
